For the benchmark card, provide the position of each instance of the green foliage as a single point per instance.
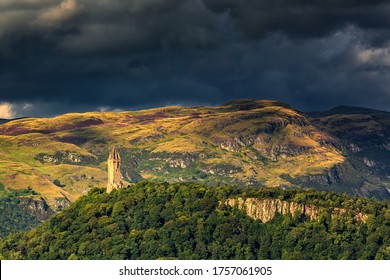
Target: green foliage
(22, 192)
(186, 221)
(14, 218)
(57, 182)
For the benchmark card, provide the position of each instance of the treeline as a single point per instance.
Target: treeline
(186, 221)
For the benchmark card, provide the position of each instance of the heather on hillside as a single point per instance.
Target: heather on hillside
(242, 143)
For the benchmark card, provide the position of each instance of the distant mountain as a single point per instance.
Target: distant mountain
(346, 110)
(49, 162)
(194, 221)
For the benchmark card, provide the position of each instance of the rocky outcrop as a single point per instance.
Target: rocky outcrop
(39, 208)
(222, 169)
(36, 207)
(368, 162)
(65, 157)
(266, 209)
(182, 163)
(333, 176)
(61, 203)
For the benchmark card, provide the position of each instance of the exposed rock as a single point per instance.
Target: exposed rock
(266, 209)
(49, 159)
(66, 157)
(329, 178)
(179, 163)
(38, 208)
(354, 148)
(74, 158)
(222, 169)
(61, 203)
(231, 146)
(369, 163)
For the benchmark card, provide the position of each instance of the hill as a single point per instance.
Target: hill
(246, 143)
(193, 221)
(346, 110)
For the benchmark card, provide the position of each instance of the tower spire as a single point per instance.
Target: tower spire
(114, 173)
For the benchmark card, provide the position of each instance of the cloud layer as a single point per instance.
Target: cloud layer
(6, 111)
(79, 55)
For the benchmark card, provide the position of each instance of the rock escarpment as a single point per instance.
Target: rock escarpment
(266, 209)
(36, 207)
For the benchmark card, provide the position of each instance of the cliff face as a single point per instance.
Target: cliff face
(38, 208)
(266, 209)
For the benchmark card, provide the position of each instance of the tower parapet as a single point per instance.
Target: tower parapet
(114, 171)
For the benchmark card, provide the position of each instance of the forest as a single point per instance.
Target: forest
(13, 217)
(151, 221)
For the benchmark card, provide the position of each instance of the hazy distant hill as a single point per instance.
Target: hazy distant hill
(50, 162)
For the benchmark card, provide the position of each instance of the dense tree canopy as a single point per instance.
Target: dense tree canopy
(186, 221)
(13, 217)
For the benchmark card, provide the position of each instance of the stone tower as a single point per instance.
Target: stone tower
(114, 171)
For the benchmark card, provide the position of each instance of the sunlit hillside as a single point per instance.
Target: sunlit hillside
(243, 143)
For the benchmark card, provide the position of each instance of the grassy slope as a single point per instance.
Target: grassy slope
(242, 142)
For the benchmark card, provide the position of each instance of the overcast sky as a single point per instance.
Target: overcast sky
(60, 56)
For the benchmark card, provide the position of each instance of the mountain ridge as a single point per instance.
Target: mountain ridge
(244, 142)
(345, 110)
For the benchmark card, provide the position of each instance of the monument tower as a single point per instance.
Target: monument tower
(114, 171)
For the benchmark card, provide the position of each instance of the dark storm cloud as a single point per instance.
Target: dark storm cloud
(76, 55)
(302, 18)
